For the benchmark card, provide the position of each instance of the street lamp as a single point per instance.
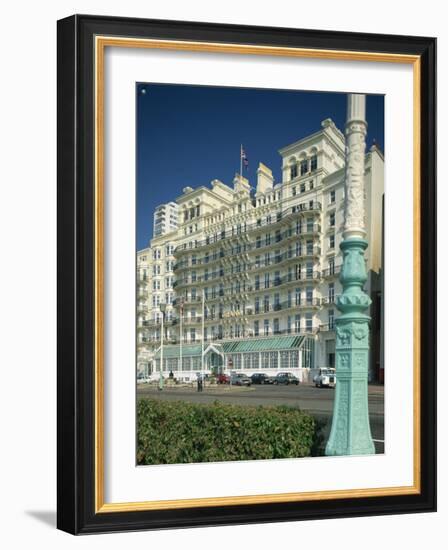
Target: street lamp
(350, 431)
(162, 308)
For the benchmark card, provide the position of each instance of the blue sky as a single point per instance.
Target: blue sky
(190, 135)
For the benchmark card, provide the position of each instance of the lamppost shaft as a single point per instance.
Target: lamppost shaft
(350, 431)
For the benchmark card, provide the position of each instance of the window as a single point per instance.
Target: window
(309, 225)
(332, 219)
(256, 328)
(277, 279)
(309, 295)
(311, 184)
(266, 327)
(297, 323)
(313, 163)
(331, 319)
(278, 236)
(267, 258)
(257, 304)
(293, 171)
(257, 261)
(309, 270)
(309, 322)
(331, 242)
(266, 280)
(332, 197)
(258, 242)
(276, 326)
(331, 293)
(298, 296)
(294, 191)
(303, 167)
(331, 267)
(289, 298)
(309, 247)
(268, 239)
(193, 276)
(302, 188)
(193, 335)
(257, 282)
(277, 302)
(289, 325)
(266, 303)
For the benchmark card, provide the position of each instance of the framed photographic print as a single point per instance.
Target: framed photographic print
(246, 274)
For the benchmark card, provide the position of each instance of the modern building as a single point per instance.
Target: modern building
(165, 219)
(250, 276)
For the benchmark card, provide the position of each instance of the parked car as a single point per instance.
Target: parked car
(223, 378)
(142, 379)
(261, 378)
(325, 377)
(240, 380)
(286, 378)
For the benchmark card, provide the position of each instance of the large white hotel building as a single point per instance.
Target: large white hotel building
(249, 275)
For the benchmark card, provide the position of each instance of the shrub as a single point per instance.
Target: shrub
(180, 432)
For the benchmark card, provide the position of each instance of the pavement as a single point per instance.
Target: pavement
(316, 401)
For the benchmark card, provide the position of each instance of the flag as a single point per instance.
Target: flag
(244, 159)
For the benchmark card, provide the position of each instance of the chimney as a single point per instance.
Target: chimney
(265, 179)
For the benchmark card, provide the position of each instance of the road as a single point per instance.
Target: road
(316, 401)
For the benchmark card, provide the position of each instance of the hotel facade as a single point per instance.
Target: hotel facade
(248, 279)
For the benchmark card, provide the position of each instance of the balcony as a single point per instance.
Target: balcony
(329, 327)
(329, 300)
(286, 215)
(331, 271)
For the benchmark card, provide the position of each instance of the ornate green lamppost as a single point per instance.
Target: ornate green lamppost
(350, 431)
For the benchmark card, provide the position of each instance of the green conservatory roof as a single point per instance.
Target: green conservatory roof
(236, 346)
(263, 344)
(188, 350)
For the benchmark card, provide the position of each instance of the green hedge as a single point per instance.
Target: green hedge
(180, 432)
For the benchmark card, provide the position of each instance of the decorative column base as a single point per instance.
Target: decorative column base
(350, 431)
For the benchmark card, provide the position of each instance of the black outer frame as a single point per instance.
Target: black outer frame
(75, 386)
